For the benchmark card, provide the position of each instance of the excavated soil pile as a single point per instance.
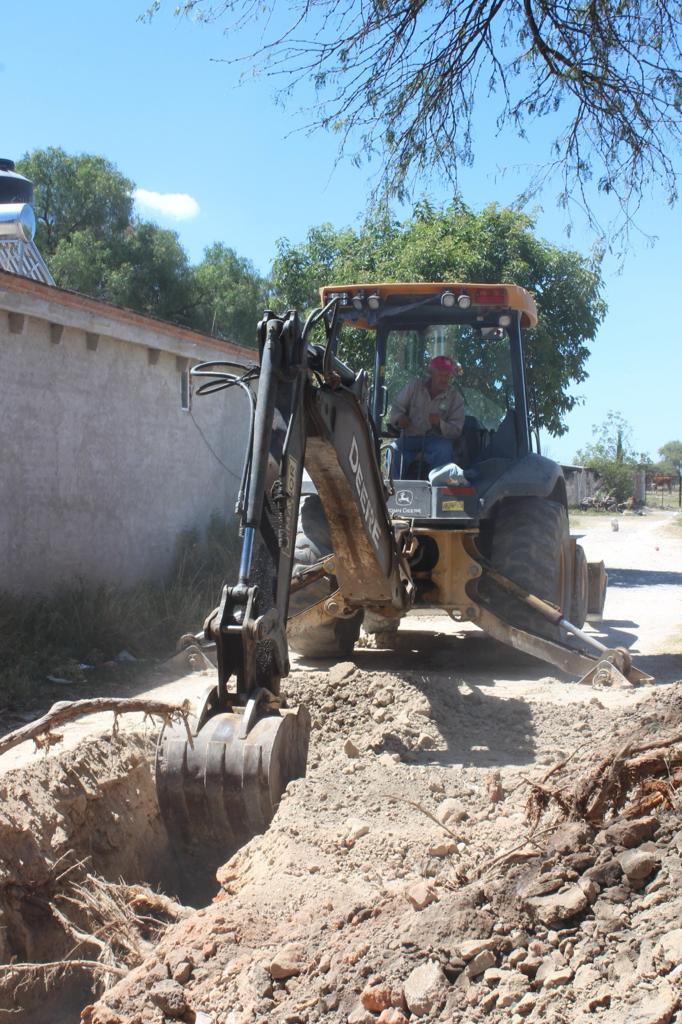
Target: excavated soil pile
(79, 832)
(417, 875)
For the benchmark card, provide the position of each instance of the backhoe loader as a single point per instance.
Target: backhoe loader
(486, 538)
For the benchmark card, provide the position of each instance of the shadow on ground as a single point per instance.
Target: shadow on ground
(643, 578)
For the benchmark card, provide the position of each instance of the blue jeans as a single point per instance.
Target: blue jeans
(437, 451)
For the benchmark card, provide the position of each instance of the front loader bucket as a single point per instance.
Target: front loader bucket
(220, 785)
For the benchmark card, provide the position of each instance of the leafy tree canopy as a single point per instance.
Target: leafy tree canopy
(404, 80)
(231, 294)
(495, 245)
(671, 457)
(76, 193)
(93, 243)
(612, 455)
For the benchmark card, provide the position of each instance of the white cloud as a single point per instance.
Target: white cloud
(177, 205)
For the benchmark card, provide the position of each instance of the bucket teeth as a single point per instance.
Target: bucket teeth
(219, 790)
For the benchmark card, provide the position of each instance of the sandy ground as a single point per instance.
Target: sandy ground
(382, 871)
(643, 612)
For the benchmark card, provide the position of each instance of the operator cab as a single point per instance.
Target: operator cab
(400, 328)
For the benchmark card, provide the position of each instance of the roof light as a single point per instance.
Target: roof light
(374, 301)
(447, 299)
(358, 301)
(504, 320)
(464, 300)
(490, 297)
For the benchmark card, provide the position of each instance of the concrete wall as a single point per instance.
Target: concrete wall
(100, 467)
(580, 483)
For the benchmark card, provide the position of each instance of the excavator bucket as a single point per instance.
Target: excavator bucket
(219, 781)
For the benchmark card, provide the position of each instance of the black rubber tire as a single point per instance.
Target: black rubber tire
(531, 546)
(580, 591)
(337, 637)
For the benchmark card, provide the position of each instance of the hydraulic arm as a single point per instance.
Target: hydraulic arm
(224, 782)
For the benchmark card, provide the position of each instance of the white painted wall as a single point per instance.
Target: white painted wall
(100, 467)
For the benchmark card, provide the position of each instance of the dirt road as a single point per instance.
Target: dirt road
(403, 879)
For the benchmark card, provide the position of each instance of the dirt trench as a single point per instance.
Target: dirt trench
(80, 837)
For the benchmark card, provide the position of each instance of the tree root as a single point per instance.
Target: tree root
(631, 780)
(41, 733)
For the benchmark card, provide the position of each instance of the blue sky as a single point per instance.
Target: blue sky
(153, 99)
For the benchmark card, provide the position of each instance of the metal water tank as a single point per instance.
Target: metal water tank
(14, 187)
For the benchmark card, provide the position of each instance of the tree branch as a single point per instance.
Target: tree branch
(66, 711)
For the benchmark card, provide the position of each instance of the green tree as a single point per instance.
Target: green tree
(231, 295)
(76, 193)
(613, 456)
(671, 457)
(145, 269)
(150, 272)
(456, 244)
(403, 80)
(93, 244)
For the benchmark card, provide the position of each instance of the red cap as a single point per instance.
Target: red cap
(443, 364)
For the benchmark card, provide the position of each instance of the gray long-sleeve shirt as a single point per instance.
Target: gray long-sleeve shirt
(416, 402)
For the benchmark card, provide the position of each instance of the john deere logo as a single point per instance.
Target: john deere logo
(404, 497)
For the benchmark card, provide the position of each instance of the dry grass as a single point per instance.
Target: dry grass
(90, 625)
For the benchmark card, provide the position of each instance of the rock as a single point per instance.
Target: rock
(512, 986)
(392, 1016)
(559, 906)
(637, 864)
(585, 977)
(492, 976)
(546, 968)
(654, 1009)
(451, 811)
(350, 749)
(337, 673)
(182, 972)
(671, 948)
(531, 965)
(376, 998)
(425, 988)
(589, 887)
(487, 1002)
(361, 1016)
(609, 917)
(421, 895)
(356, 953)
(601, 1000)
(425, 741)
(169, 996)
(632, 833)
(605, 874)
(443, 848)
(472, 947)
(556, 978)
(209, 949)
(517, 956)
(493, 785)
(356, 828)
(480, 963)
(288, 961)
(569, 838)
(525, 1005)
(259, 980)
